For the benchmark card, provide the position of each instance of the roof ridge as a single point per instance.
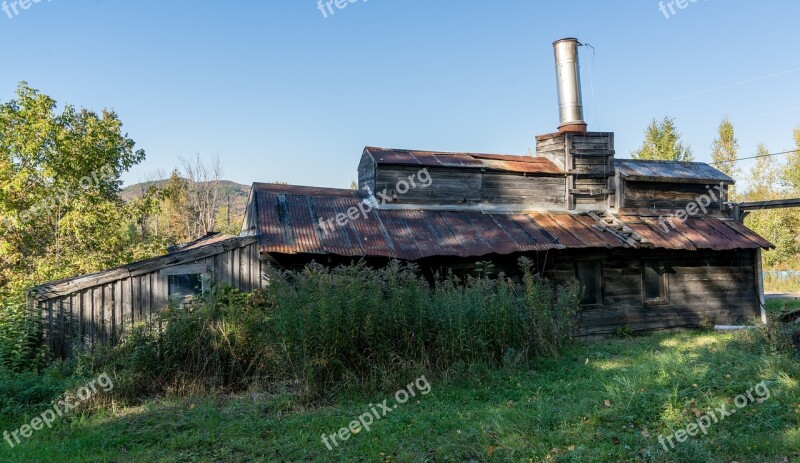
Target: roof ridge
(449, 153)
(661, 160)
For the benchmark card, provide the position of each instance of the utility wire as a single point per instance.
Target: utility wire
(755, 157)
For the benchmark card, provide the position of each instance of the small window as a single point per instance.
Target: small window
(590, 275)
(184, 286)
(654, 281)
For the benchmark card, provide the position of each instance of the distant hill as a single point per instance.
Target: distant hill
(237, 192)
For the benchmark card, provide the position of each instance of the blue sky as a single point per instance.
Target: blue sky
(280, 92)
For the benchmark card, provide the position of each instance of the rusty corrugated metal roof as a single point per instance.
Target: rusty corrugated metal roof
(289, 223)
(496, 162)
(710, 232)
(670, 171)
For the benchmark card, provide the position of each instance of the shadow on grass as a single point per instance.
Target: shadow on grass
(553, 411)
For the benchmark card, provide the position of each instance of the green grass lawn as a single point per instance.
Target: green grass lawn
(601, 402)
(782, 306)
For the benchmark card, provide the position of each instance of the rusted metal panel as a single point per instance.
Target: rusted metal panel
(516, 235)
(713, 239)
(336, 239)
(563, 235)
(496, 162)
(375, 240)
(695, 233)
(495, 236)
(542, 239)
(748, 234)
(270, 225)
(406, 233)
(601, 237)
(445, 234)
(670, 171)
(653, 232)
(732, 237)
(289, 224)
(303, 225)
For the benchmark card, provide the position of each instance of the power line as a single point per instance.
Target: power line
(704, 92)
(756, 157)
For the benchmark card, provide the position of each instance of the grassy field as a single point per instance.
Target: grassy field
(601, 402)
(779, 305)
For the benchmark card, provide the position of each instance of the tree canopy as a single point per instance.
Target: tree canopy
(725, 149)
(60, 213)
(662, 142)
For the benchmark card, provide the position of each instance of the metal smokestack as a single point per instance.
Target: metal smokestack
(570, 99)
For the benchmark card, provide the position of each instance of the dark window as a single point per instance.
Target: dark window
(182, 286)
(654, 281)
(590, 275)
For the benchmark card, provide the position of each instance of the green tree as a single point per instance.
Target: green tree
(777, 225)
(60, 211)
(792, 170)
(724, 151)
(663, 142)
(764, 177)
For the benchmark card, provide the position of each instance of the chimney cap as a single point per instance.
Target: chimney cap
(568, 39)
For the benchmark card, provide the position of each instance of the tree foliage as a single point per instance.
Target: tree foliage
(767, 182)
(662, 142)
(725, 149)
(60, 213)
(792, 178)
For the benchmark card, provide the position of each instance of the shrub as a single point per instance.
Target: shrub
(774, 336)
(20, 337)
(323, 328)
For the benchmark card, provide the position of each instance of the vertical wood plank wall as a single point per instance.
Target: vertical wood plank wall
(103, 314)
(703, 287)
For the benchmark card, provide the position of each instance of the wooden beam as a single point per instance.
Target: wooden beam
(771, 204)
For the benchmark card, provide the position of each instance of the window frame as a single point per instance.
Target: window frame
(193, 269)
(663, 299)
(186, 297)
(599, 282)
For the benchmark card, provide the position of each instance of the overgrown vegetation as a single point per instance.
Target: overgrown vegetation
(548, 411)
(20, 339)
(348, 327)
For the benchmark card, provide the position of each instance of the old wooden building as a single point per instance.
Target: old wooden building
(653, 243)
(100, 308)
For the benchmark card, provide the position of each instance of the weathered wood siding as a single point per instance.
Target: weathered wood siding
(510, 188)
(449, 186)
(658, 195)
(553, 147)
(102, 314)
(366, 172)
(717, 288)
(589, 160)
(250, 221)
